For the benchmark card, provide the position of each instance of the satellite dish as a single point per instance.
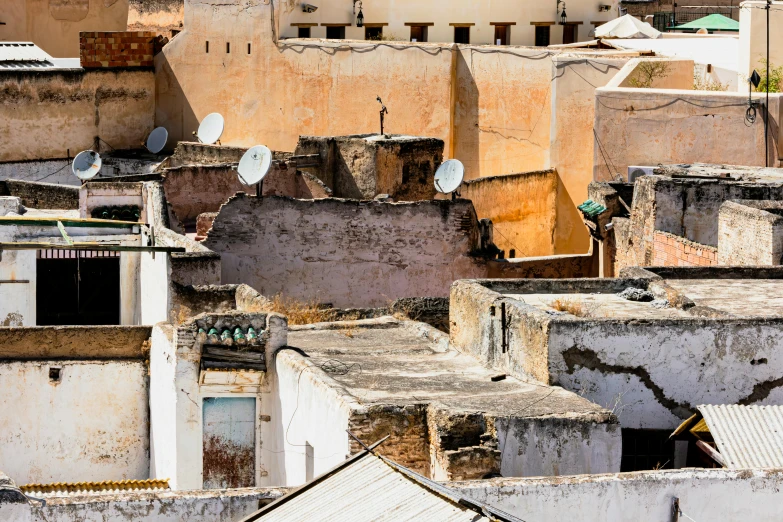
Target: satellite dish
(449, 176)
(86, 164)
(254, 165)
(211, 128)
(157, 139)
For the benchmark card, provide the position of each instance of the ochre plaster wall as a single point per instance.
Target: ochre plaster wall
(44, 115)
(54, 25)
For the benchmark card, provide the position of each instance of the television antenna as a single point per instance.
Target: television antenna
(86, 165)
(449, 176)
(157, 140)
(210, 129)
(384, 110)
(254, 166)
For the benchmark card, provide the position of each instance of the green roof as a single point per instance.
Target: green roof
(713, 22)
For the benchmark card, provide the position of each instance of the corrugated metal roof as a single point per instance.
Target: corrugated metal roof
(367, 488)
(22, 52)
(747, 436)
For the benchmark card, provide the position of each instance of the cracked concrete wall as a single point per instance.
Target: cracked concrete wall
(705, 494)
(346, 252)
(653, 373)
(54, 25)
(44, 115)
(89, 424)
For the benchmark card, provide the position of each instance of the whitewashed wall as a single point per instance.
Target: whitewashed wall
(714, 494)
(92, 425)
(311, 410)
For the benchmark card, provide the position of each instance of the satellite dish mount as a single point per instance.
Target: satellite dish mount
(384, 110)
(254, 166)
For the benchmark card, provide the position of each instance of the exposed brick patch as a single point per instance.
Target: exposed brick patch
(118, 49)
(671, 250)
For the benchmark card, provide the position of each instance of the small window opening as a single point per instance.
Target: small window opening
(248, 48)
(207, 46)
(373, 33)
(418, 33)
(54, 374)
(542, 35)
(304, 32)
(335, 33)
(462, 35)
(228, 47)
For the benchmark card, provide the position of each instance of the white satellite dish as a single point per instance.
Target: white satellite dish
(449, 176)
(254, 165)
(211, 128)
(157, 139)
(86, 164)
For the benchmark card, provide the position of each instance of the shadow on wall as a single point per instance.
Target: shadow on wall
(465, 140)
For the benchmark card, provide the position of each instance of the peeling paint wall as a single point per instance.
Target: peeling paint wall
(91, 424)
(344, 252)
(714, 494)
(43, 114)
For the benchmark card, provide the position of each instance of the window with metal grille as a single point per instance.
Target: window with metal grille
(646, 449)
(462, 35)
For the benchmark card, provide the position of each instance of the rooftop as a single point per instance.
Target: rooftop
(402, 362)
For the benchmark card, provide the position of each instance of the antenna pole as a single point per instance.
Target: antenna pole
(259, 188)
(766, 107)
(384, 110)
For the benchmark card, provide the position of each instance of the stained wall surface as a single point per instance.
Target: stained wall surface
(346, 252)
(68, 434)
(44, 115)
(54, 25)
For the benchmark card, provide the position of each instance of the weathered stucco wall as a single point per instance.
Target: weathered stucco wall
(667, 126)
(226, 505)
(572, 140)
(54, 25)
(156, 15)
(43, 115)
(705, 494)
(522, 207)
(90, 424)
(346, 252)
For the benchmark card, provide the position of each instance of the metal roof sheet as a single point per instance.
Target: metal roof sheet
(369, 489)
(747, 436)
(22, 52)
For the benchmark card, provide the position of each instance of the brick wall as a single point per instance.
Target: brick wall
(671, 250)
(117, 49)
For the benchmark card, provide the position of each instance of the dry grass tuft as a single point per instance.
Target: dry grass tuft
(350, 331)
(573, 306)
(301, 312)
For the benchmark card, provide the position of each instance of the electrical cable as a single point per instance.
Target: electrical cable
(55, 172)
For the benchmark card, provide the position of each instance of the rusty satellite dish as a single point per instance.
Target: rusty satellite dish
(254, 165)
(211, 128)
(86, 165)
(449, 176)
(157, 139)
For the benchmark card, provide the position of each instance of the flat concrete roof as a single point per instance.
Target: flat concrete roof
(739, 297)
(405, 362)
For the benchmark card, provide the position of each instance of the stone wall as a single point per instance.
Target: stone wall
(43, 195)
(116, 49)
(750, 233)
(56, 114)
(346, 252)
(364, 166)
(671, 250)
